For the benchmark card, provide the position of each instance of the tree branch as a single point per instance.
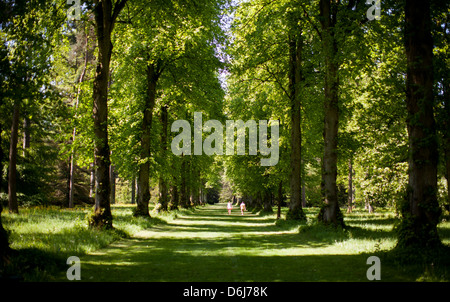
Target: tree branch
(117, 8)
(276, 80)
(310, 22)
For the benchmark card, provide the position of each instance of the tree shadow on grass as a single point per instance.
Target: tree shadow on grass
(155, 261)
(32, 264)
(209, 245)
(239, 260)
(240, 257)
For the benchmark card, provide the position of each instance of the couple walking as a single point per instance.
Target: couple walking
(230, 206)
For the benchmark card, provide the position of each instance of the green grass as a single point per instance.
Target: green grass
(44, 237)
(206, 244)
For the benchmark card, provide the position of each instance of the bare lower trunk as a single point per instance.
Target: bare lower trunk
(12, 174)
(422, 211)
(92, 180)
(112, 177)
(174, 197)
(71, 179)
(350, 186)
(183, 197)
(143, 196)
(133, 190)
(267, 202)
(163, 196)
(280, 199)
(303, 195)
(447, 165)
(258, 204)
(26, 134)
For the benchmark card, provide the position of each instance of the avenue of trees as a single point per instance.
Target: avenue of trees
(89, 92)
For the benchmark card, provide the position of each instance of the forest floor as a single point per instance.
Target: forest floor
(207, 244)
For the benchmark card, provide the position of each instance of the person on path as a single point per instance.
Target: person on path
(242, 208)
(229, 207)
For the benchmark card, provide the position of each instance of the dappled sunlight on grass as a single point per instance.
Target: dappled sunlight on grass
(210, 245)
(207, 244)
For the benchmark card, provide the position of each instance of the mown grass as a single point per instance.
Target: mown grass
(375, 234)
(44, 237)
(206, 244)
(211, 246)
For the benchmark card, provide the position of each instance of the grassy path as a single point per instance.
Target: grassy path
(210, 245)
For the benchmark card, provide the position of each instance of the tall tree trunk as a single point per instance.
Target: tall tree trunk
(133, 190)
(112, 177)
(303, 195)
(422, 211)
(267, 202)
(71, 179)
(91, 180)
(280, 199)
(258, 204)
(447, 158)
(188, 180)
(105, 18)
(138, 187)
(163, 196)
(447, 169)
(12, 174)
(143, 197)
(26, 134)
(74, 132)
(350, 186)
(174, 197)
(330, 212)
(295, 211)
(446, 130)
(183, 195)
